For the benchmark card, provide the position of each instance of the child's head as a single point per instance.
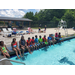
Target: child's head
(59, 33)
(40, 36)
(29, 39)
(45, 25)
(44, 36)
(49, 35)
(1, 43)
(14, 39)
(56, 33)
(22, 37)
(32, 37)
(35, 36)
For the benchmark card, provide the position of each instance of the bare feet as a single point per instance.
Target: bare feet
(18, 57)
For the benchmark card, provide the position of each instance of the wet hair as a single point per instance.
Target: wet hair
(36, 36)
(59, 33)
(50, 34)
(22, 37)
(13, 40)
(44, 35)
(28, 38)
(40, 36)
(0, 42)
(32, 37)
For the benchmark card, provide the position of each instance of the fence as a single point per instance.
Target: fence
(52, 24)
(43, 23)
(49, 24)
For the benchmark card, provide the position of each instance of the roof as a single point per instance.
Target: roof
(13, 19)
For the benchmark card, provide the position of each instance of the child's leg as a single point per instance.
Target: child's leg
(16, 52)
(53, 42)
(50, 43)
(7, 54)
(19, 51)
(23, 48)
(4, 55)
(28, 49)
(36, 46)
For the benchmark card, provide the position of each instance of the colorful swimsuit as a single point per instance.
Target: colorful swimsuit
(29, 43)
(4, 49)
(15, 44)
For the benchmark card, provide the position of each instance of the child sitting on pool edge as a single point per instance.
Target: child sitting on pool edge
(15, 47)
(45, 40)
(60, 38)
(36, 41)
(33, 43)
(29, 43)
(4, 49)
(41, 41)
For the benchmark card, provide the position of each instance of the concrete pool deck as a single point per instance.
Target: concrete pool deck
(8, 41)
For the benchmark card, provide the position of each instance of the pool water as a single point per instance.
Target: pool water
(59, 54)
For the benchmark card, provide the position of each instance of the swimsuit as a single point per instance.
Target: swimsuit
(29, 43)
(40, 40)
(4, 49)
(33, 42)
(15, 44)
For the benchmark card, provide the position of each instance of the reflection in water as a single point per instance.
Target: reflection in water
(65, 60)
(22, 58)
(45, 48)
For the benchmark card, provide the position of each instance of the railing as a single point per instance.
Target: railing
(11, 60)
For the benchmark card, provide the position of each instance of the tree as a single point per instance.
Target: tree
(29, 15)
(46, 16)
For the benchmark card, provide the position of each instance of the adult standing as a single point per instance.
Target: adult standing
(45, 29)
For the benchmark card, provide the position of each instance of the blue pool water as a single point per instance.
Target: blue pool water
(59, 54)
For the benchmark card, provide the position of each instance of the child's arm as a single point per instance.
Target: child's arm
(25, 43)
(11, 44)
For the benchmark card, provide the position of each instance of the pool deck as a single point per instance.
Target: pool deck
(8, 41)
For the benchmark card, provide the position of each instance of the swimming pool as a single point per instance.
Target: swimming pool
(59, 54)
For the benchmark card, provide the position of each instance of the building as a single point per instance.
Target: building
(15, 22)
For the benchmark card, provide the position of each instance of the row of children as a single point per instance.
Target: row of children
(30, 44)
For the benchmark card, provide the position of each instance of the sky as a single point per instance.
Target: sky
(17, 13)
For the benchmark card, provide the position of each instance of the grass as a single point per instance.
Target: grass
(35, 27)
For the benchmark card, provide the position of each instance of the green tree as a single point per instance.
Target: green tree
(29, 15)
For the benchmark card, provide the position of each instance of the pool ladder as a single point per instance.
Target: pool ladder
(11, 60)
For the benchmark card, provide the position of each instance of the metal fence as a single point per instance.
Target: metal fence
(49, 24)
(35, 24)
(43, 23)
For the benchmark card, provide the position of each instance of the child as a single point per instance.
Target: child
(36, 41)
(4, 49)
(60, 37)
(50, 40)
(45, 29)
(15, 47)
(29, 43)
(23, 44)
(33, 42)
(56, 37)
(45, 40)
(53, 39)
(40, 41)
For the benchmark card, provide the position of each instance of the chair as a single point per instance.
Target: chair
(10, 30)
(5, 32)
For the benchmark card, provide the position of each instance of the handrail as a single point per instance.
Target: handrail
(11, 60)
